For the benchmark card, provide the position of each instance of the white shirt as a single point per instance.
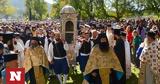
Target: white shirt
(79, 45)
(27, 44)
(128, 59)
(20, 50)
(20, 41)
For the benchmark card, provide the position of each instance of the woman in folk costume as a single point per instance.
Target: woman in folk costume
(57, 55)
(100, 63)
(150, 61)
(35, 62)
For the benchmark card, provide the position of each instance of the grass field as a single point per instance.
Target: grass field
(78, 78)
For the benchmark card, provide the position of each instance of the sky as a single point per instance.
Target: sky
(50, 1)
(20, 5)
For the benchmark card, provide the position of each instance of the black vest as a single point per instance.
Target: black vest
(58, 49)
(49, 41)
(85, 48)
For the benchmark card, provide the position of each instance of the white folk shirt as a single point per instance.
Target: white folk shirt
(20, 50)
(128, 59)
(79, 45)
(20, 41)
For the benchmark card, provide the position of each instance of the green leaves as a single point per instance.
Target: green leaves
(36, 9)
(6, 9)
(89, 9)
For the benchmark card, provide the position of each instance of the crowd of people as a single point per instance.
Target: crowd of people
(104, 50)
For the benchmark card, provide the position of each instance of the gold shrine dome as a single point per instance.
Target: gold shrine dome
(68, 9)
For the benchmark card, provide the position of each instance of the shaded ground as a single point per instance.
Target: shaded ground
(78, 78)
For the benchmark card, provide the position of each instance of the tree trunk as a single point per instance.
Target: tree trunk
(30, 14)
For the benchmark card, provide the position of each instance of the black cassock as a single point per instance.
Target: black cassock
(120, 53)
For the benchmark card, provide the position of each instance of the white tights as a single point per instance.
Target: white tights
(64, 80)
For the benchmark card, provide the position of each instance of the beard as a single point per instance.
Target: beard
(34, 45)
(58, 40)
(103, 47)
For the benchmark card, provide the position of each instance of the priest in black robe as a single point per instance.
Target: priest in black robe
(119, 49)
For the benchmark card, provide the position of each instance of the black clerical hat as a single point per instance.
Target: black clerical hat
(35, 38)
(117, 32)
(151, 34)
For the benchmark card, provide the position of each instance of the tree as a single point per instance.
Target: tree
(102, 9)
(85, 8)
(152, 6)
(10, 10)
(36, 9)
(5, 9)
(3, 5)
(56, 8)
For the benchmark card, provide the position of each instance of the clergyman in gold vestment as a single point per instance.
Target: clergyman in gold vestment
(103, 59)
(35, 62)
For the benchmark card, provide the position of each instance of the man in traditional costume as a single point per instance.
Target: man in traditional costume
(35, 62)
(150, 61)
(83, 48)
(48, 39)
(119, 49)
(100, 63)
(57, 56)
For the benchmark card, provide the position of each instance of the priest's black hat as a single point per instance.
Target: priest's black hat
(35, 38)
(151, 34)
(117, 32)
